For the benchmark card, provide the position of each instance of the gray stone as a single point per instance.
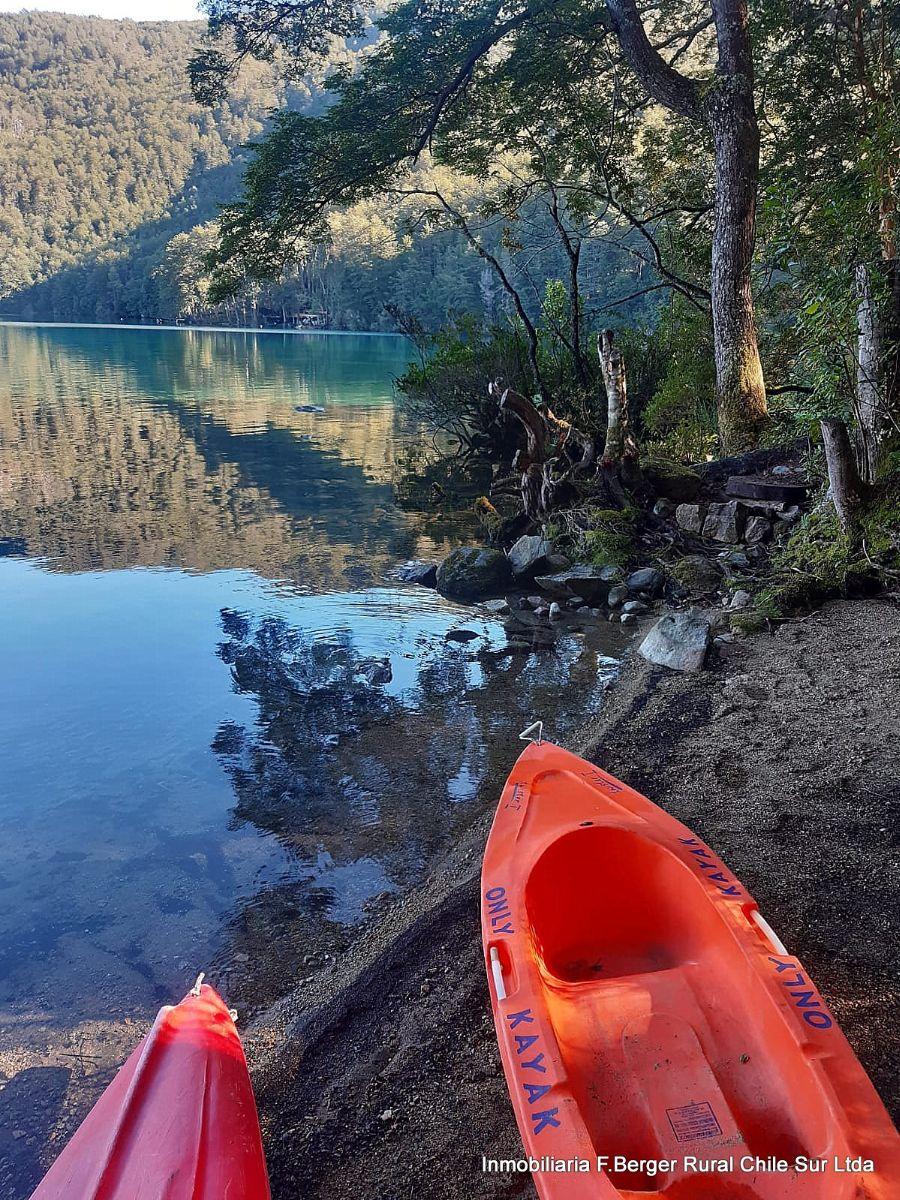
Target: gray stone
(689, 517)
(737, 559)
(496, 608)
(678, 640)
(628, 618)
(423, 573)
(790, 515)
(617, 594)
(663, 508)
(635, 607)
(534, 601)
(584, 611)
(557, 562)
(541, 612)
(595, 612)
(725, 522)
(575, 602)
(528, 555)
(555, 611)
(592, 583)
(648, 579)
(782, 470)
(470, 572)
(698, 573)
(757, 530)
(739, 600)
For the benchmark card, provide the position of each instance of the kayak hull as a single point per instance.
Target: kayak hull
(178, 1121)
(656, 1037)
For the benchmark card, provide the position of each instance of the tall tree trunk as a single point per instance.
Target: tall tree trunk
(727, 107)
(731, 114)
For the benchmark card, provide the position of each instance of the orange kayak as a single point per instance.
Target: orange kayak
(656, 1036)
(178, 1122)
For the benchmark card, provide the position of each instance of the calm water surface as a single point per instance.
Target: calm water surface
(203, 761)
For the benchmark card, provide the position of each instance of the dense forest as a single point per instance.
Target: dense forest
(111, 177)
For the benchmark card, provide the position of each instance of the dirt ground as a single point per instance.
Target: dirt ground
(378, 1079)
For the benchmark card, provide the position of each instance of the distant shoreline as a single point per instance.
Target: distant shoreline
(200, 328)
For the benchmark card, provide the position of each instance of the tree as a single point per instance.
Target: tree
(413, 93)
(831, 81)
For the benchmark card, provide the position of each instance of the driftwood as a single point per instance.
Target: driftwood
(555, 450)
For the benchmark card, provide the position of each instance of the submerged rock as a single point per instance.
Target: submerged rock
(423, 573)
(678, 641)
(471, 572)
(497, 608)
(377, 672)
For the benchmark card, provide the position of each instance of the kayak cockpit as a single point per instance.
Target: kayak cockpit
(670, 1041)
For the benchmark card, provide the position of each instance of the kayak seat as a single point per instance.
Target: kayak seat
(657, 1014)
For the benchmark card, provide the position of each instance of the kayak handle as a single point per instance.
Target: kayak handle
(195, 990)
(768, 932)
(526, 734)
(497, 972)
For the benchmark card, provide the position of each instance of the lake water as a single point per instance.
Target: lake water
(203, 763)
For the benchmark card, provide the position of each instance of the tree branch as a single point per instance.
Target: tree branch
(666, 85)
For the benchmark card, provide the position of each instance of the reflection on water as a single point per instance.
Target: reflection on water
(225, 733)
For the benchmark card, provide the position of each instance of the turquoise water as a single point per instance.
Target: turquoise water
(204, 760)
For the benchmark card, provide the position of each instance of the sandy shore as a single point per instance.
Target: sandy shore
(379, 1077)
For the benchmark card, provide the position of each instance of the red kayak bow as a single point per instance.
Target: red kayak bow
(178, 1122)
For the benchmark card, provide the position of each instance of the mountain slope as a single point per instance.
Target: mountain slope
(100, 139)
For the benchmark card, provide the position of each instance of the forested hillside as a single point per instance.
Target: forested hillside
(104, 157)
(111, 177)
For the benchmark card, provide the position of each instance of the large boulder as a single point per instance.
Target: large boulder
(698, 574)
(592, 583)
(529, 555)
(678, 640)
(470, 572)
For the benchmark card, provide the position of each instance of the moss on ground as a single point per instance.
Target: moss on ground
(821, 560)
(602, 536)
(610, 539)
